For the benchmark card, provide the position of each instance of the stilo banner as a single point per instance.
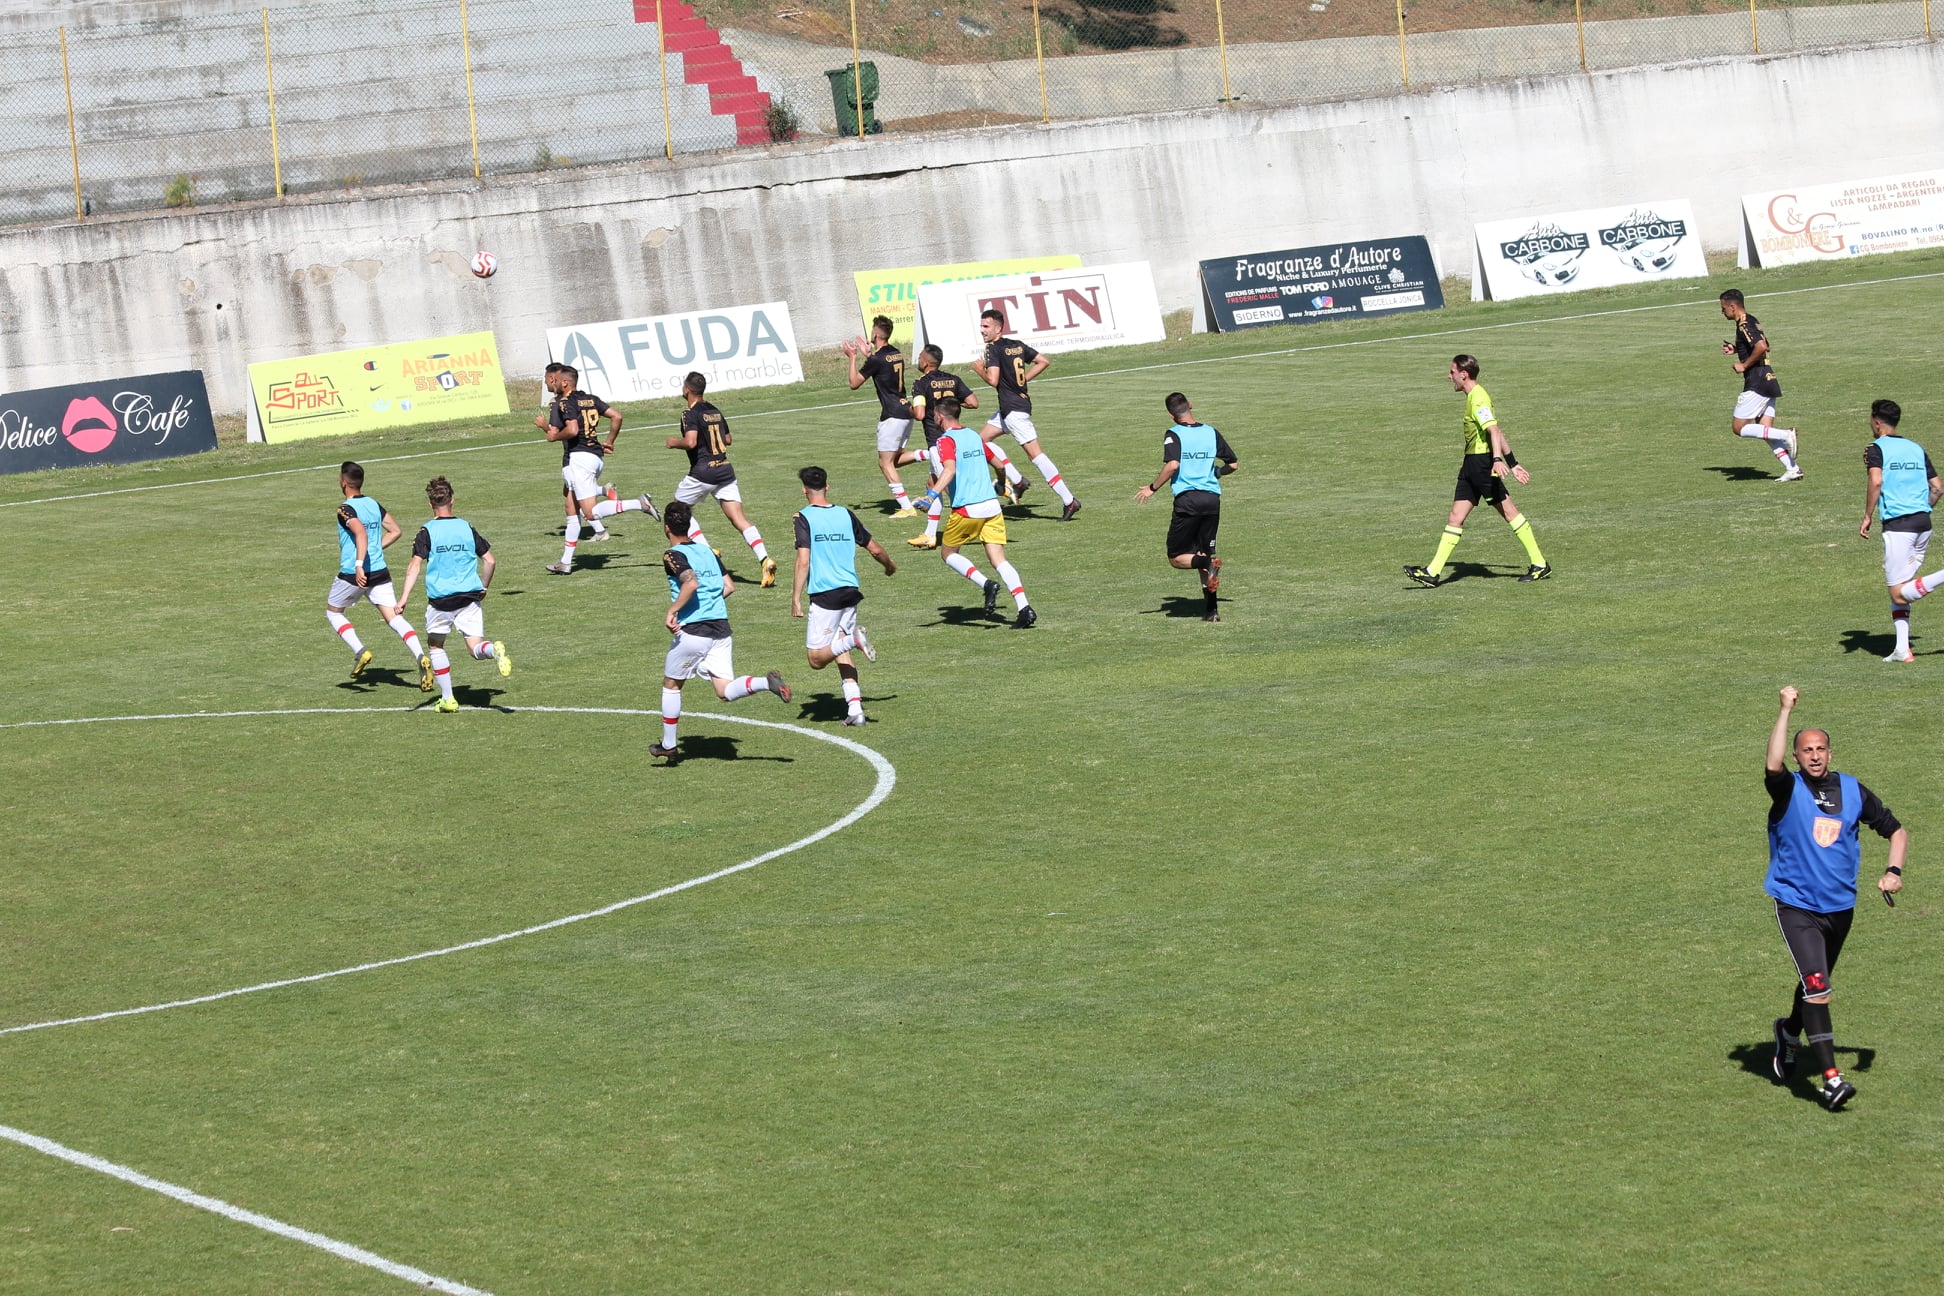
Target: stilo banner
(1851, 218)
(1056, 310)
(1303, 285)
(640, 359)
(894, 293)
(126, 420)
(1608, 246)
(378, 387)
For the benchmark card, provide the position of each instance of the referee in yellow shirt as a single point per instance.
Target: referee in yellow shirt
(1488, 458)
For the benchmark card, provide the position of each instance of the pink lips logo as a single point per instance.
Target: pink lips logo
(88, 425)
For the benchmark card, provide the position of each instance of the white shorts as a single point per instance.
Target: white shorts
(1019, 423)
(1754, 405)
(827, 623)
(892, 435)
(1903, 555)
(582, 473)
(345, 594)
(691, 655)
(690, 491)
(469, 620)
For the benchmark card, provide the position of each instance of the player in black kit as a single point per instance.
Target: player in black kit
(1754, 415)
(1010, 365)
(705, 436)
(883, 365)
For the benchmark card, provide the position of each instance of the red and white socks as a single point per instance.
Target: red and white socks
(442, 671)
(342, 624)
(1009, 576)
(742, 686)
(1052, 475)
(671, 715)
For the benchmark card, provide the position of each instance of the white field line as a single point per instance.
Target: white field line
(887, 778)
(1100, 373)
(342, 1250)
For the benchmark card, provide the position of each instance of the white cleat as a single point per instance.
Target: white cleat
(1794, 474)
(1901, 655)
(865, 645)
(1789, 438)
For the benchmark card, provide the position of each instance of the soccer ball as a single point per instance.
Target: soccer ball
(484, 264)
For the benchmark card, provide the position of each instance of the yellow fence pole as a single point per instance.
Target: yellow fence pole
(74, 144)
(1221, 43)
(270, 81)
(1580, 22)
(1404, 54)
(857, 75)
(472, 113)
(1754, 28)
(1039, 58)
(661, 56)
(1927, 30)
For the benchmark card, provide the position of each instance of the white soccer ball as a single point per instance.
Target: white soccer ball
(484, 264)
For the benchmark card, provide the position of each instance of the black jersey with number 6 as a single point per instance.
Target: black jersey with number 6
(1013, 358)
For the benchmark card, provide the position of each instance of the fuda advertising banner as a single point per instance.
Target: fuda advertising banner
(1303, 285)
(378, 387)
(1600, 248)
(894, 293)
(640, 359)
(1851, 218)
(1056, 310)
(123, 420)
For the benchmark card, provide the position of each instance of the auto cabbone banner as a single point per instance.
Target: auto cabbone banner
(639, 359)
(378, 387)
(895, 292)
(1303, 285)
(123, 420)
(1054, 311)
(1852, 218)
(1602, 248)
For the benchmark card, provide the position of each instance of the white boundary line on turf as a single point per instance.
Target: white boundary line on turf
(342, 1250)
(1080, 377)
(887, 778)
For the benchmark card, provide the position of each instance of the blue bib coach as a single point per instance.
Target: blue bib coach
(1906, 486)
(1197, 470)
(372, 514)
(1814, 857)
(833, 548)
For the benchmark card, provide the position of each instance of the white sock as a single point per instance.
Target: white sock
(671, 715)
(853, 697)
(342, 624)
(1780, 449)
(403, 629)
(754, 539)
(608, 508)
(741, 688)
(695, 531)
(1911, 591)
(442, 671)
(1052, 475)
(1901, 624)
(482, 651)
(842, 644)
(998, 456)
(1010, 575)
(932, 514)
(597, 528)
(1755, 430)
(963, 566)
(573, 538)
(899, 494)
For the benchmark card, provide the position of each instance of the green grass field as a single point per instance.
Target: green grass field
(1376, 939)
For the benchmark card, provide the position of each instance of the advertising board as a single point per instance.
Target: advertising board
(1851, 218)
(1056, 310)
(640, 359)
(121, 420)
(377, 387)
(895, 292)
(1600, 248)
(1303, 285)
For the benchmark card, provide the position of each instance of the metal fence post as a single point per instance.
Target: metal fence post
(857, 75)
(1927, 27)
(270, 82)
(1580, 22)
(472, 113)
(1221, 43)
(661, 57)
(74, 145)
(1403, 53)
(1754, 29)
(1039, 60)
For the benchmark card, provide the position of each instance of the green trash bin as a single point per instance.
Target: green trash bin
(842, 99)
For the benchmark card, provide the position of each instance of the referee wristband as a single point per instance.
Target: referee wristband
(1892, 868)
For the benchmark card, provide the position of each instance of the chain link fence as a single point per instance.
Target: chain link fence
(117, 107)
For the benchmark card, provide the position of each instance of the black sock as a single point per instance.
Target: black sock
(1793, 1022)
(1822, 1035)
(1198, 563)
(1208, 601)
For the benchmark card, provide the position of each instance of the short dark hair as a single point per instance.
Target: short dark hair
(1886, 412)
(554, 366)
(1467, 364)
(882, 324)
(946, 407)
(814, 477)
(993, 314)
(570, 371)
(1732, 295)
(438, 492)
(677, 517)
(696, 383)
(1177, 404)
(937, 356)
(352, 472)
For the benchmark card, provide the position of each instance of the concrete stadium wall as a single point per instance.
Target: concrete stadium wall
(215, 289)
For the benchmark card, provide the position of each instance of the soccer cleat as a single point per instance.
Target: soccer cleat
(852, 720)
(1422, 576)
(1073, 507)
(559, 569)
(669, 754)
(1536, 572)
(1783, 1063)
(1789, 439)
(425, 672)
(1018, 490)
(446, 705)
(505, 661)
(864, 643)
(1835, 1092)
(358, 663)
(769, 573)
(595, 537)
(777, 686)
(612, 494)
(1213, 616)
(1027, 618)
(1213, 580)
(648, 506)
(991, 597)
(1006, 490)
(1794, 474)
(905, 512)
(1901, 655)
(923, 542)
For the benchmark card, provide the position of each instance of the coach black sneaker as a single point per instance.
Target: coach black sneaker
(1783, 1063)
(1422, 576)
(991, 597)
(1536, 572)
(1836, 1091)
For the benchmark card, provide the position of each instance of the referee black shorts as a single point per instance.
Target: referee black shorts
(1191, 530)
(1476, 483)
(1814, 940)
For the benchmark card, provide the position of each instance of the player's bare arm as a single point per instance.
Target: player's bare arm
(487, 561)
(391, 532)
(1035, 369)
(1168, 470)
(1756, 355)
(567, 431)
(851, 350)
(1872, 488)
(615, 420)
(359, 534)
(686, 441)
(1778, 743)
(874, 549)
(412, 570)
(799, 582)
(728, 584)
(1892, 880)
(683, 593)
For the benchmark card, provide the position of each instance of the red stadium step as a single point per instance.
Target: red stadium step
(706, 61)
